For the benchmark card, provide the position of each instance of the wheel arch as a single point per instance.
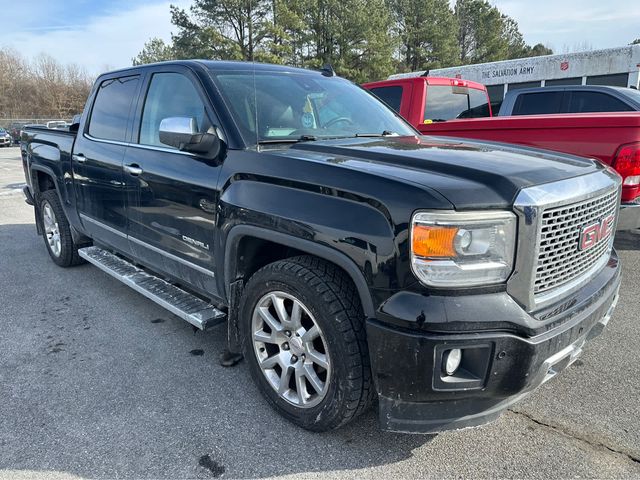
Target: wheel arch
(296, 246)
(44, 177)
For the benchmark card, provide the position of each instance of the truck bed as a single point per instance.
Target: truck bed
(52, 149)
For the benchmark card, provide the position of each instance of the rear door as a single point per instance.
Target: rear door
(540, 103)
(390, 94)
(97, 160)
(172, 195)
(396, 94)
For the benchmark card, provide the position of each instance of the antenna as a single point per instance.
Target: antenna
(327, 70)
(255, 92)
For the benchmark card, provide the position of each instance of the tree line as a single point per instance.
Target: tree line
(40, 88)
(362, 39)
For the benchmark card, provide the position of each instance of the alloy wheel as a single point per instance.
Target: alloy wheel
(291, 349)
(51, 229)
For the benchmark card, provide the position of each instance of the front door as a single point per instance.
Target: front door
(173, 194)
(97, 162)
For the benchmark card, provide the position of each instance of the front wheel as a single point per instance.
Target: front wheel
(56, 231)
(305, 342)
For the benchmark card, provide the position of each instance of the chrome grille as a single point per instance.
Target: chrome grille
(559, 259)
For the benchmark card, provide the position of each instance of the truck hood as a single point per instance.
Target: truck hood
(470, 174)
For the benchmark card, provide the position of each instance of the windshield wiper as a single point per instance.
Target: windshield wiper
(301, 138)
(385, 133)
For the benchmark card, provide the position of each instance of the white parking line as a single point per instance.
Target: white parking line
(13, 191)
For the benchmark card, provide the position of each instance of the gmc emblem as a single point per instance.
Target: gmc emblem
(592, 234)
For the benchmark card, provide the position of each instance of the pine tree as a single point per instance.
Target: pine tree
(487, 35)
(362, 39)
(154, 50)
(424, 30)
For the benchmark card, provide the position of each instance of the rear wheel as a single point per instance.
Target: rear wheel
(56, 231)
(305, 342)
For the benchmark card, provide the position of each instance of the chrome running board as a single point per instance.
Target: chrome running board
(185, 305)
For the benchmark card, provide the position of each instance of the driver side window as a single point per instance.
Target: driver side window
(169, 95)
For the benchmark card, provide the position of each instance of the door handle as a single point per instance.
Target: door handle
(78, 158)
(133, 169)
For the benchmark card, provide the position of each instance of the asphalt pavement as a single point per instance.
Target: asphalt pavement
(98, 382)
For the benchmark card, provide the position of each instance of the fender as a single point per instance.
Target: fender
(35, 188)
(78, 236)
(322, 251)
(49, 171)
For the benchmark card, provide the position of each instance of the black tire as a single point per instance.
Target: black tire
(68, 254)
(331, 297)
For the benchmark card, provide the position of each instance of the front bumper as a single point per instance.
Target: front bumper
(499, 366)
(629, 218)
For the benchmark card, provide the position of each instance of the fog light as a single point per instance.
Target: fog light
(452, 359)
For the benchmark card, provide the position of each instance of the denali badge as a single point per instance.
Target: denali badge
(197, 243)
(592, 234)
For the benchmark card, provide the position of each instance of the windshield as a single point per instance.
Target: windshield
(292, 106)
(446, 102)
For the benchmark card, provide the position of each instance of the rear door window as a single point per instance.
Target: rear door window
(111, 109)
(538, 103)
(582, 102)
(391, 95)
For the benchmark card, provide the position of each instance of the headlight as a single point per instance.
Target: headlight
(451, 249)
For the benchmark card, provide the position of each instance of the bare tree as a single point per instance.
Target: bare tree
(42, 88)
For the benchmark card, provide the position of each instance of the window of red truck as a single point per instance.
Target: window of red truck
(448, 102)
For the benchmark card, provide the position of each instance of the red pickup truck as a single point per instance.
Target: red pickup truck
(613, 138)
(440, 98)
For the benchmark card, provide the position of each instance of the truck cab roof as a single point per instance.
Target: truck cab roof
(218, 65)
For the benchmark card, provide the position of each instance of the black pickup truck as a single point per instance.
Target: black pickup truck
(350, 257)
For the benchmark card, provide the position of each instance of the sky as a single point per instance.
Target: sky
(106, 34)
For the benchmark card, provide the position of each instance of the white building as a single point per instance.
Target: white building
(612, 66)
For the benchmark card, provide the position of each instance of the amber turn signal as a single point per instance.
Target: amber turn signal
(433, 241)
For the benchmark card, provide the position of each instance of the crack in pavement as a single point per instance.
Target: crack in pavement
(560, 430)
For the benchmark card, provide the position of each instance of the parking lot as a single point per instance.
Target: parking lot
(97, 381)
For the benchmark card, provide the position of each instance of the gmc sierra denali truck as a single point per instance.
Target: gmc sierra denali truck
(350, 257)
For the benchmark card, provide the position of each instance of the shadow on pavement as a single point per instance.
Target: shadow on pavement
(627, 240)
(12, 186)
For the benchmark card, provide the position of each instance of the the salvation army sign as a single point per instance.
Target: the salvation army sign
(564, 66)
(514, 72)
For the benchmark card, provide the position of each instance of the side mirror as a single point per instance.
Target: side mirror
(179, 132)
(182, 133)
